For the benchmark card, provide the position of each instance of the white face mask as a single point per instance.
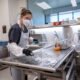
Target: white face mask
(27, 23)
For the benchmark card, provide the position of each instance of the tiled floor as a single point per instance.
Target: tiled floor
(5, 74)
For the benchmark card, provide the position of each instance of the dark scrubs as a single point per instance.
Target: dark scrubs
(15, 33)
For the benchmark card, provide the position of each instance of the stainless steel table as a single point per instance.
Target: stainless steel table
(62, 68)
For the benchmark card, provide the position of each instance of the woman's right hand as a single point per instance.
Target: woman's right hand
(27, 52)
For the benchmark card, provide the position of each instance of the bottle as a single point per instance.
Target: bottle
(57, 45)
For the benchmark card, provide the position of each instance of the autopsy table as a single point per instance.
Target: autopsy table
(52, 65)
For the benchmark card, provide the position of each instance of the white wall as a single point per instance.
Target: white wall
(22, 3)
(4, 18)
(14, 9)
(9, 10)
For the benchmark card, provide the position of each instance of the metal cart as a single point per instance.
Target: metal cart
(63, 69)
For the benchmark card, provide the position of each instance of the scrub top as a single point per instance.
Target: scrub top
(15, 33)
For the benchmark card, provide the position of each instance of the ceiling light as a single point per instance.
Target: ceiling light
(43, 5)
(74, 3)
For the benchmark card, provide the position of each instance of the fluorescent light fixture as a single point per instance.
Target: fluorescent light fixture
(43, 5)
(74, 3)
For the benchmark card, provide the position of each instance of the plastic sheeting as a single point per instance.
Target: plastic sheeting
(44, 57)
(41, 57)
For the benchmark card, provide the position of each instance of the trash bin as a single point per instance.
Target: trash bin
(3, 54)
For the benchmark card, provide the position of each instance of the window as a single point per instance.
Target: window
(60, 16)
(76, 15)
(53, 18)
(65, 16)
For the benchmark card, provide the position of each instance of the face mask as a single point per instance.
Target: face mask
(27, 23)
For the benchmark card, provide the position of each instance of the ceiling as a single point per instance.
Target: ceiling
(56, 3)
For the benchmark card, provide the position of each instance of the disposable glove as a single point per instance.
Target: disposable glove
(27, 52)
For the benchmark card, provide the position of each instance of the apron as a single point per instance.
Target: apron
(17, 74)
(24, 40)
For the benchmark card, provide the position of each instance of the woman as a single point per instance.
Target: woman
(18, 41)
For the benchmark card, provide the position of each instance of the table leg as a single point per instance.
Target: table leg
(26, 77)
(41, 77)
